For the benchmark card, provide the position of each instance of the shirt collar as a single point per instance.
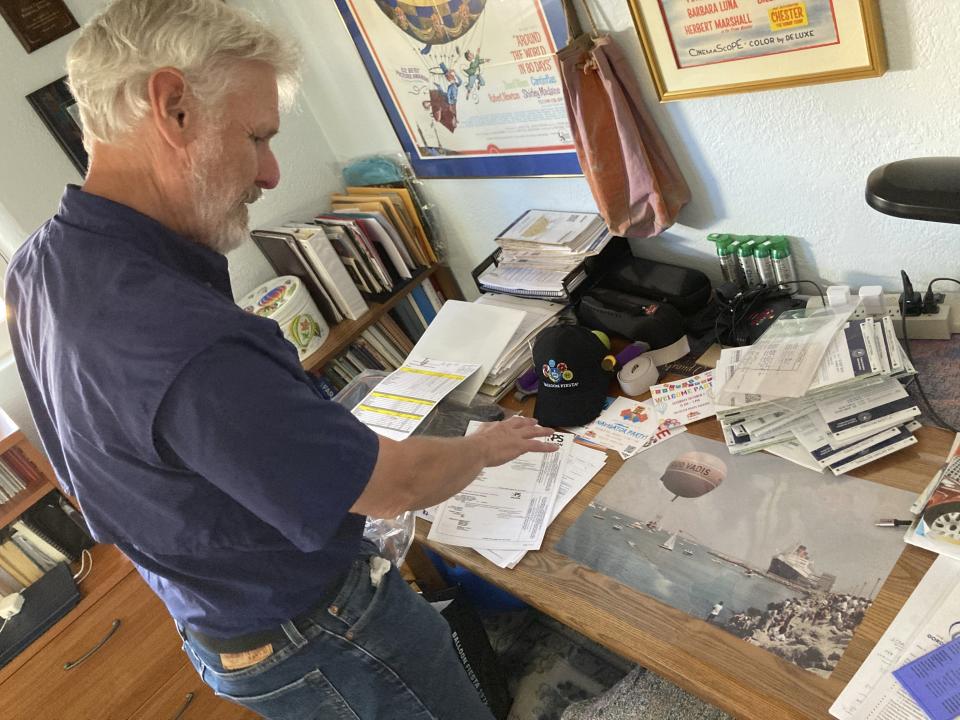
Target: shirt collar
(98, 215)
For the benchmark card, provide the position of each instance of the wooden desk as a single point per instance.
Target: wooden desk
(744, 680)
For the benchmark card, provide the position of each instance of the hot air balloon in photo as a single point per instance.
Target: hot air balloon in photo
(432, 22)
(437, 30)
(693, 474)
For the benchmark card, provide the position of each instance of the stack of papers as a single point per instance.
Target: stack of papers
(926, 622)
(935, 525)
(471, 333)
(504, 513)
(401, 401)
(517, 356)
(542, 254)
(819, 390)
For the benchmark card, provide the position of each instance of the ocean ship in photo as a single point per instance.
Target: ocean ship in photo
(797, 567)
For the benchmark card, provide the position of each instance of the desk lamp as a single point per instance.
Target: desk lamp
(917, 189)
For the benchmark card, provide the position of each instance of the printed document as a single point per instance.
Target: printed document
(785, 360)
(582, 465)
(506, 507)
(922, 625)
(401, 401)
(468, 333)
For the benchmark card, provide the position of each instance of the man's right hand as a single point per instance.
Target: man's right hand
(422, 471)
(509, 439)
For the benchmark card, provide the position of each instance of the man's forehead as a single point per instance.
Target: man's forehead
(253, 98)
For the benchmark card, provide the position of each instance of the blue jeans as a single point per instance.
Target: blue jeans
(373, 653)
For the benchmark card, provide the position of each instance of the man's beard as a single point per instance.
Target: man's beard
(222, 217)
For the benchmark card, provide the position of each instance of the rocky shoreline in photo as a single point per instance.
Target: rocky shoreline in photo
(810, 631)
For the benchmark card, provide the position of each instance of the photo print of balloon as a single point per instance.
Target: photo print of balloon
(792, 555)
(471, 87)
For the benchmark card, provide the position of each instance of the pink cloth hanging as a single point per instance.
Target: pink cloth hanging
(632, 174)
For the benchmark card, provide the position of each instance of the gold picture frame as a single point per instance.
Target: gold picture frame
(699, 48)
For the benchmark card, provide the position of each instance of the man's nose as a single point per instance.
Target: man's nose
(269, 176)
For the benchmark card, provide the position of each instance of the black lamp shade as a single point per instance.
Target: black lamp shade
(917, 189)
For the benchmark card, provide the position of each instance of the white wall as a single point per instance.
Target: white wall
(791, 162)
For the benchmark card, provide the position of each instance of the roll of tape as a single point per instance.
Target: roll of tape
(638, 375)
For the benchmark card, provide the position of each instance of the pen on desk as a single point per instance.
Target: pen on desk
(890, 522)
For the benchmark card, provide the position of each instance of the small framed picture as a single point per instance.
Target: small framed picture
(696, 48)
(37, 22)
(55, 105)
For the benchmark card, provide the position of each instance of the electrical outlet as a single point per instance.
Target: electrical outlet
(919, 327)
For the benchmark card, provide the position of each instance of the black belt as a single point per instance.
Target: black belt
(273, 636)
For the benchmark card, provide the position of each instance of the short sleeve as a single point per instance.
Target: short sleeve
(259, 432)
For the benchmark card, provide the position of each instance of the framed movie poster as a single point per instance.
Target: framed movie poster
(705, 47)
(471, 87)
(55, 105)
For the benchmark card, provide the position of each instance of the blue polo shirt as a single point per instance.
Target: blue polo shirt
(185, 427)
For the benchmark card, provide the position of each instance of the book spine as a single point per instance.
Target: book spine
(418, 317)
(423, 305)
(326, 388)
(374, 353)
(364, 358)
(334, 376)
(403, 315)
(40, 558)
(390, 327)
(43, 541)
(432, 294)
(386, 347)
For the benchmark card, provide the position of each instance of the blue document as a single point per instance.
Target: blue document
(933, 681)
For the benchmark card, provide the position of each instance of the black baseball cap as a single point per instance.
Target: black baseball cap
(573, 384)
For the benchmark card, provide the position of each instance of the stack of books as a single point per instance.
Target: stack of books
(385, 344)
(854, 409)
(10, 483)
(518, 354)
(35, 543)
(542, 254)
(370, 243)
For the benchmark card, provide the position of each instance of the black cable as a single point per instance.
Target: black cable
(931, 411)
(823, 298)
(748, 298)
(943, 279)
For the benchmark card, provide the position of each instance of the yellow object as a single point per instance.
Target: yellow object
(603, 338)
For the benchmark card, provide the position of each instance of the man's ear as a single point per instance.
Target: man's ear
(172, 108)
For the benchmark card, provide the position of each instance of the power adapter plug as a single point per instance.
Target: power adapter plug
(10, 605)
(931, 302)
(910, 301)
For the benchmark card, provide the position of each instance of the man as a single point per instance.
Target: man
(473, 71)
(186, 428)
(714, 611)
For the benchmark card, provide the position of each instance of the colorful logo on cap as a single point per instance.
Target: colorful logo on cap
(637, 414)
(555, 372)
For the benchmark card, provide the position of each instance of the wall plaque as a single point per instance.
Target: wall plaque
(37, 22)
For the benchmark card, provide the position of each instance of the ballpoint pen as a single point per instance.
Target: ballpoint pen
(890, 522)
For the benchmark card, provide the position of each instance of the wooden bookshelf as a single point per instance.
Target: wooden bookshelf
(346, 331)
(36, 489)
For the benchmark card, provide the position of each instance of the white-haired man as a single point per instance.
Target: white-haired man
(186, 428)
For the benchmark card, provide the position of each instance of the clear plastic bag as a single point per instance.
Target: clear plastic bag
(392, 536)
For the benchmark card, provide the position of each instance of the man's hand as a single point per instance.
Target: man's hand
(423, 471)
(511, 438)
